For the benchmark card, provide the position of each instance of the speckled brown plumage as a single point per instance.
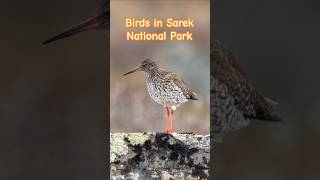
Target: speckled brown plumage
(164, 86)
(234, 101)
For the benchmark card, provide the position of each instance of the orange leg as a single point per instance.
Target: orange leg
(170, 129)
(167, 119)
(172, 115)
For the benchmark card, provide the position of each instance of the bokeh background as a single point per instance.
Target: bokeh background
(52, 98)
(131, 108)
(277, 44)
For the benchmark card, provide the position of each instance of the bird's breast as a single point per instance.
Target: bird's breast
(165, 92)
(224, 112)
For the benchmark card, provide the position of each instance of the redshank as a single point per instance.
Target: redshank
(234, 101)
(166, 88)
(100, 21)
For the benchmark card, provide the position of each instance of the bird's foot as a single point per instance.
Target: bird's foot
(169, 130)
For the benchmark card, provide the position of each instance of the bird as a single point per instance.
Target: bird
(100, 21)
(166, 88)
(234, 100)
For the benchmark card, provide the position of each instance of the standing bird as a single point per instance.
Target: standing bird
(100, 21)
(166, 88)
(234, 101)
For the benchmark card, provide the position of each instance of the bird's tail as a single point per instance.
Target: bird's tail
(193, 97)
(273, 116)
(269, 114)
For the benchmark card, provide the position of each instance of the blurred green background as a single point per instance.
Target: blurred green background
(132, 110)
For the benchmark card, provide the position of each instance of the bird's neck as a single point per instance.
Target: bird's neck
(152, 72)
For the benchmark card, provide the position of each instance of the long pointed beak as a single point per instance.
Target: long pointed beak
(92, 23)
(132, 71)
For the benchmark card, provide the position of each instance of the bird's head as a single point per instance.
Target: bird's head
(147, 65)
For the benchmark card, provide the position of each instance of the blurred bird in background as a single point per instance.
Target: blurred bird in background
(234, 101)
(100, 21)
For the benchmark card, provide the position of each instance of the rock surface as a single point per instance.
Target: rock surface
(159, 156)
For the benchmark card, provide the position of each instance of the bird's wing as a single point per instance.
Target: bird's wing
(177, 80)
(247, 99)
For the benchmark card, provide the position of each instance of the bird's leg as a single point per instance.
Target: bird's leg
(167, 119)
(171, 124)
(170, 129)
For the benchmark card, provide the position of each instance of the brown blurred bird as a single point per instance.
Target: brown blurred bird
(234, 101)
(166, 88)
(100, 21)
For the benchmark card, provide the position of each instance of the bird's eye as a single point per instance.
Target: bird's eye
(144, 64)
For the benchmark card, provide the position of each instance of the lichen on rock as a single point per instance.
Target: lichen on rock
(138, 138)
(117, 146)
(159, 156)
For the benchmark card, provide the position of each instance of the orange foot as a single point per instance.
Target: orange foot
(169, 130)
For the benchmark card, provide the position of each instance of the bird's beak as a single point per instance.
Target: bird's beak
(132, 71)
(92, 23)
